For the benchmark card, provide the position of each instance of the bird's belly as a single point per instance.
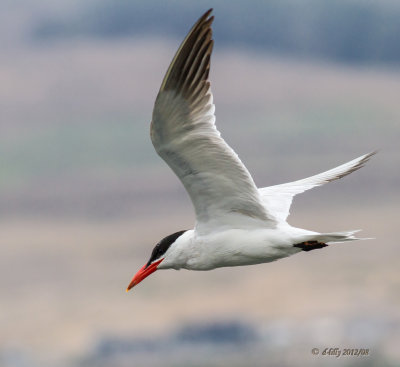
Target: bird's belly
(239, 247)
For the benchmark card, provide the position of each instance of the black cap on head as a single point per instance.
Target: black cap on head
(162, 247)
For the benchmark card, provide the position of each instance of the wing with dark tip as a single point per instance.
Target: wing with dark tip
(278, 198)
(183, 133)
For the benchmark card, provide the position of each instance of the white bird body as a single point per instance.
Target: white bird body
(236, 223)
(237, 247)
(230, 247)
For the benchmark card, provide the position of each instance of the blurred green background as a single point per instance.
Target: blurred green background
(299, 88)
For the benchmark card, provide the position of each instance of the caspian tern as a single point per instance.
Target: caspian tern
(236, 223)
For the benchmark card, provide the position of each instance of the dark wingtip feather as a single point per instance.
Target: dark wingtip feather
(188, 52)
(366, 159)
(356, 167)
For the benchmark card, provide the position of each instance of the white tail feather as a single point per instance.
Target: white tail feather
(334, 237)
(337, 236)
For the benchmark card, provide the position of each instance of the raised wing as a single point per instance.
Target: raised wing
(278, 198)
(183, 133)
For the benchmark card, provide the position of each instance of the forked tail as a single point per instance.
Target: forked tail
(338, 236)
(320, 240)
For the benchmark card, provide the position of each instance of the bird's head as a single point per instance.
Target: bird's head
(159, 253)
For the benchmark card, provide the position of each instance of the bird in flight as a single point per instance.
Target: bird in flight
(236, 222)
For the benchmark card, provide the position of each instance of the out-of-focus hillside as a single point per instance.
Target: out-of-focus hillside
(349, 31)
(353, 31)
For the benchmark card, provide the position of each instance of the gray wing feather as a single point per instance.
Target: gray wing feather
(278, 198)
(183, 133)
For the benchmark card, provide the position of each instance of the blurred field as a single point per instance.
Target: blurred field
(65, 284)
(84, 198)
